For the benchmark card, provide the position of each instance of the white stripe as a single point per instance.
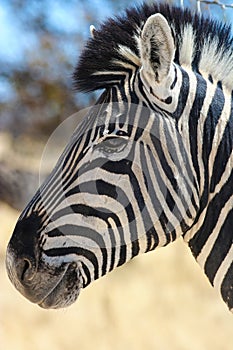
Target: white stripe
(210, 91)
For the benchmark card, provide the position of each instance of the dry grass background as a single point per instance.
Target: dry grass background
(159, 301)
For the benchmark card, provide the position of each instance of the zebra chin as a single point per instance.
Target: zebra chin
(65, 292)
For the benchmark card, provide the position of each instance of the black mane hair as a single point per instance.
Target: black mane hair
(102, 52)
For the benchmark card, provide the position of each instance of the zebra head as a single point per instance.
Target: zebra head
(127, 181)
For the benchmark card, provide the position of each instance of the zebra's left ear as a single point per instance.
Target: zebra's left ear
(157, 48)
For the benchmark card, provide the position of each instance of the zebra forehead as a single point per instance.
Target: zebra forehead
(202, 44)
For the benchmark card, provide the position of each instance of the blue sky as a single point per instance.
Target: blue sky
(67, 17)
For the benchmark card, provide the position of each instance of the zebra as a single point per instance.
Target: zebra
(150, 162)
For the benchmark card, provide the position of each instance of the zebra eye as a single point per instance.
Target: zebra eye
(114, 144)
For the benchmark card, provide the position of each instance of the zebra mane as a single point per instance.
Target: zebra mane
(202, 44)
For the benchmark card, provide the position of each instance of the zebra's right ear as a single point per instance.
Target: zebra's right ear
(157, 48)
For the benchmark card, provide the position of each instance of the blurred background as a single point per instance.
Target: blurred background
(158, 301)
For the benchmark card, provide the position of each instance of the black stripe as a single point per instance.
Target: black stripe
(220, 249)
(87, 274)
(222, 156)
(212, 214)
(77, 251)
(213, 116)
(183, 95)
(193, 121)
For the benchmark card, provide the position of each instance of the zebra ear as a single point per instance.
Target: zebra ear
(157, 48)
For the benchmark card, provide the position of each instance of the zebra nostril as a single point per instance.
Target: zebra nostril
(26, 271)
